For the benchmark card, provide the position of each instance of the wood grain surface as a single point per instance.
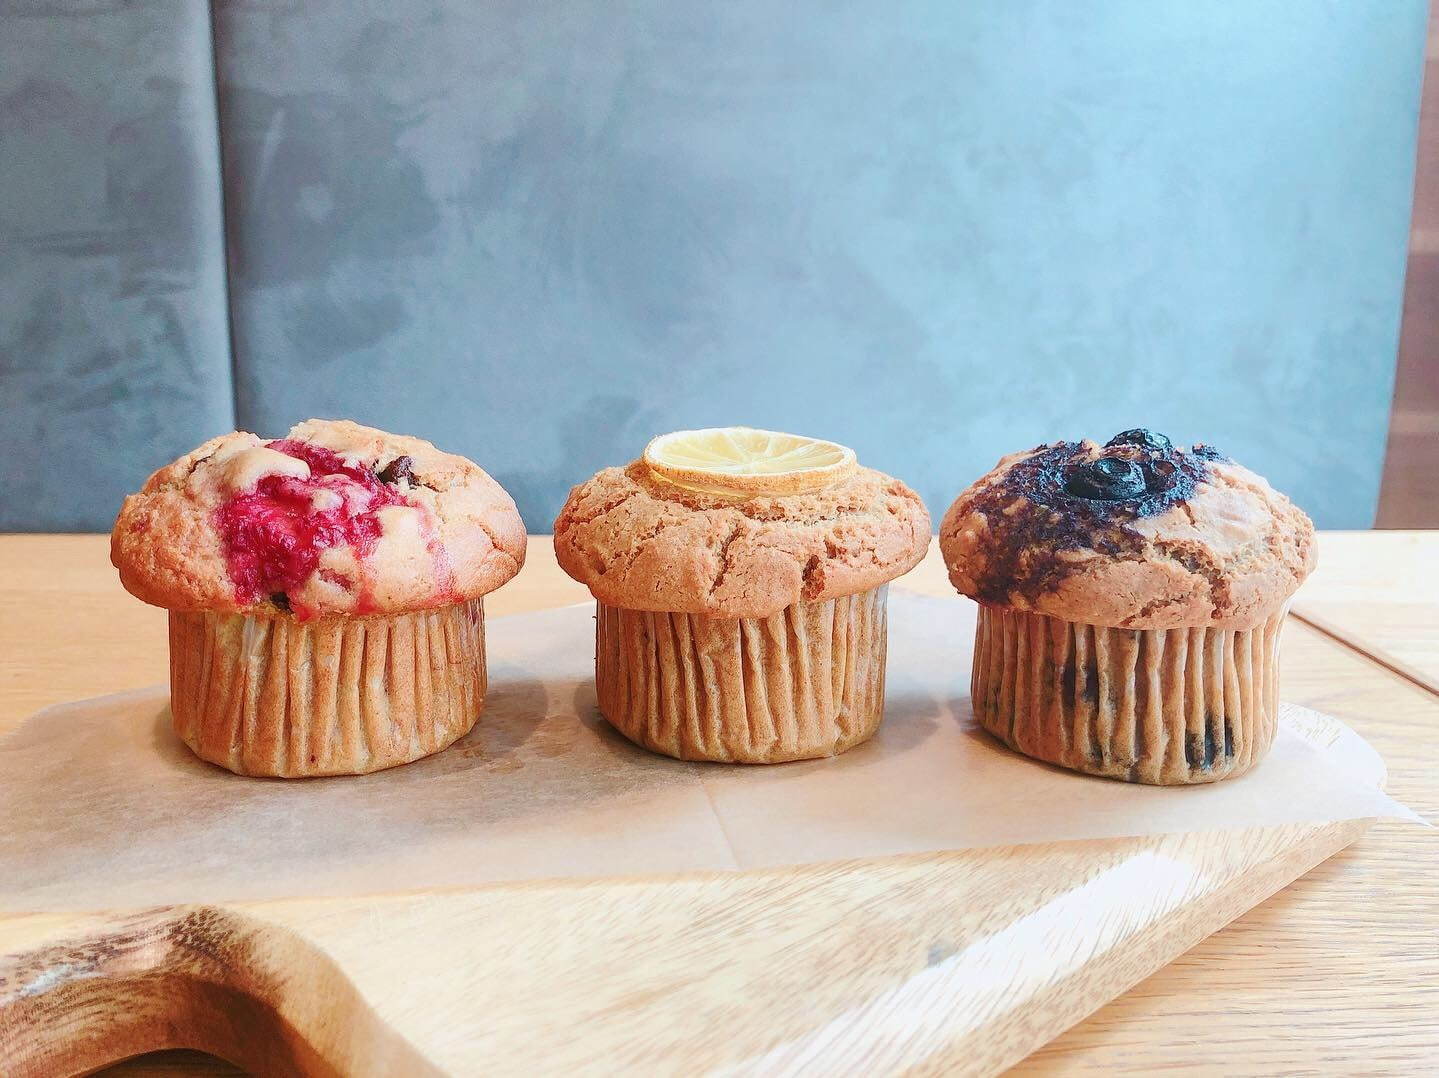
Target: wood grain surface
(1334, 974)
(1379, 593)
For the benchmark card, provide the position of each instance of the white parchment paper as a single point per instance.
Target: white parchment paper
(101, 806)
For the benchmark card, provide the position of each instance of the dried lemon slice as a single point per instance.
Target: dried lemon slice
(741, 462)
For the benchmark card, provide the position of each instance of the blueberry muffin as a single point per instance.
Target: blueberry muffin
(740, 579)
(1131, 597)
(325, 594)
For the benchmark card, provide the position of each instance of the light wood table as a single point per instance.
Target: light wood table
(1379, 592)
(1337, 973)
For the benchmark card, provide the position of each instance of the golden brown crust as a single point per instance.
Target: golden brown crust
(1228, 554)
(644, 544)
(459, 538)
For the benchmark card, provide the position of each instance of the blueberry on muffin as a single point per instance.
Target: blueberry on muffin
(740, 579)
(325, 594)
(1131, 597)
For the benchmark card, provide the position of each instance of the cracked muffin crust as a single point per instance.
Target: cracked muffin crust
(741, 622)
(333, 519)
(1131, 601)
(325, 593)
(1135, 534)
(642, 543)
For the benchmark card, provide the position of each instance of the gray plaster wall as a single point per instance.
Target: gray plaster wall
(539, 233)
(114, 352)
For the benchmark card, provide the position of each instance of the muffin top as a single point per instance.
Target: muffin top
(332, 519)
(1136, 533)
(658, 535)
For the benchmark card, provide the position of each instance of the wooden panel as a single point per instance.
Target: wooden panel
(1409, 492)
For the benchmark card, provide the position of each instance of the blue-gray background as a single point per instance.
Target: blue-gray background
(538, 233)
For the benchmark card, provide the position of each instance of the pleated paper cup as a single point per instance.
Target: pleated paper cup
(333, 696)
(803, 683)
(1160, 706)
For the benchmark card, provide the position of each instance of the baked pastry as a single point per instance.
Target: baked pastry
(740, 578)
(1131, 597)
(325, 594)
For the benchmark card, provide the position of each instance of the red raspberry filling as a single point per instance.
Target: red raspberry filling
(274, 535)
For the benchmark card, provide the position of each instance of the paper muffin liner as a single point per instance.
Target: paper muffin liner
(802, 683)
(334, 696)
(1160, 706)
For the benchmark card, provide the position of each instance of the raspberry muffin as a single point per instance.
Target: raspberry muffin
(325, 595)
(740, 578)
(1131, 597)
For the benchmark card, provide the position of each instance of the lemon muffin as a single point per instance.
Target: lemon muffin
(1131, 597)
(325, 594)
(740, 580)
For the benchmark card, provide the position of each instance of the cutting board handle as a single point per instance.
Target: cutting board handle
(197, 977)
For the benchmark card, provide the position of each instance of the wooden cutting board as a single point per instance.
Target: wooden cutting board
(961, 962)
